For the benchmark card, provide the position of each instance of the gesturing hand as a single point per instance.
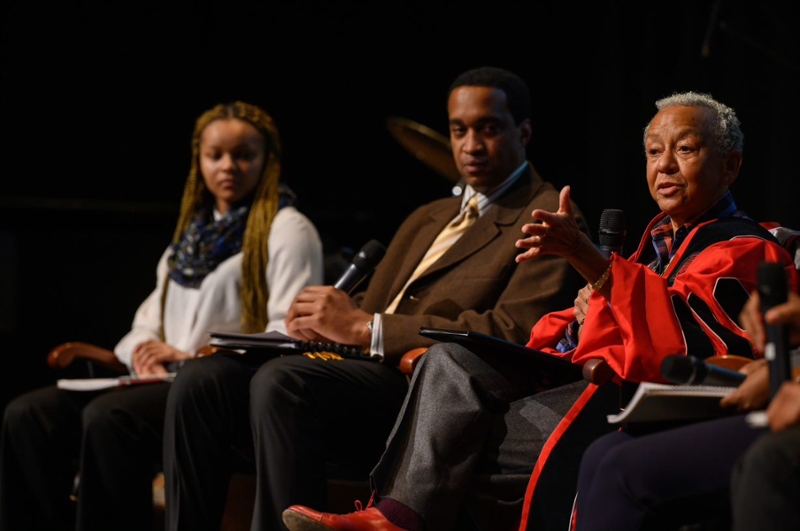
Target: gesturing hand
(556, 233)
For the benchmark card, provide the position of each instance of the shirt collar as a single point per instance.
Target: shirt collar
(667, 242)
(486, 200)
(723, 208)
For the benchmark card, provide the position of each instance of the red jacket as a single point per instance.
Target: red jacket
(692, 308)
(650, 317)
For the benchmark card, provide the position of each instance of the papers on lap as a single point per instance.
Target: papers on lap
(235, 340)
(655, 402)
(96, 384)
(278, 343)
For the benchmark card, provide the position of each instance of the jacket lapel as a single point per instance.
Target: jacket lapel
(422, 241)
(504, 213)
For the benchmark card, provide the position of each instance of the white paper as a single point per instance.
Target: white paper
(87, 384)
(660, 402)
(95, 384)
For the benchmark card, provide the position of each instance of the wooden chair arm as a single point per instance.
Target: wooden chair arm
(410, 359)
(597, 371)
(728, 361)
(64, 354)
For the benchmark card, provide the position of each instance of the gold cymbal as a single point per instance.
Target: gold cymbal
(428, 146)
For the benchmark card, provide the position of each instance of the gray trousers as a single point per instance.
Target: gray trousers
(468, 436)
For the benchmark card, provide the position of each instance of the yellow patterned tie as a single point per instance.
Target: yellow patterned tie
(449, 235)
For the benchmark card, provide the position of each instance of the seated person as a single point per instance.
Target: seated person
(473, 425)
(220, 272)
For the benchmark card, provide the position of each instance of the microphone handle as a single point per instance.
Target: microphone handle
(777, 354)
(714, 375)
(607, 250)
(351, 278)
(772, 291)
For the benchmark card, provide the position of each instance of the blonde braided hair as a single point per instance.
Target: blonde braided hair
(254, 291)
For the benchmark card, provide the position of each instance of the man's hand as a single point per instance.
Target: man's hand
(328, 315)
(753, 392)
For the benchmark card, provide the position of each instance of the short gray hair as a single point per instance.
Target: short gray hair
(728, 135)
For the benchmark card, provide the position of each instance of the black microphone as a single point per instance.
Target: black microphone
(612, 231)
(363, 263)
(689, 370)
(773, 289)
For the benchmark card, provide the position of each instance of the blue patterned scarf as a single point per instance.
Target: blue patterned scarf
(206, 244)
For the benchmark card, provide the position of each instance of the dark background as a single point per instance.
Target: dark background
(100, 102)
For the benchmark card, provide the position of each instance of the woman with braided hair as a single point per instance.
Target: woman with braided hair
(240, 253)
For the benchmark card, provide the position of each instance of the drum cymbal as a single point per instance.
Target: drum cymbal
(428, 146)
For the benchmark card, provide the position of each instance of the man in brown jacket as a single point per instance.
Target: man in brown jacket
(305, 413)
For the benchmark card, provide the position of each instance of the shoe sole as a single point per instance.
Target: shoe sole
(300, 522)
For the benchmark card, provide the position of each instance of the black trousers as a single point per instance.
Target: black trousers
(661, 480)
(111, 438)
(292, 415)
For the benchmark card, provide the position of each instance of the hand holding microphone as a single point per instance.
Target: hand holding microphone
(328, 314)
(773, 290)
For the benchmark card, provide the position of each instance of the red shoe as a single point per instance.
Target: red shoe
(300, 518)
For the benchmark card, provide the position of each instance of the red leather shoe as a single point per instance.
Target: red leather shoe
(300, 518)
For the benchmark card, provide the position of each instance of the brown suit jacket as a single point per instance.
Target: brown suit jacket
(476, 285)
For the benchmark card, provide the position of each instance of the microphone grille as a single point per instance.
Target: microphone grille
(678, 369)
(612, 227)
(369, 255)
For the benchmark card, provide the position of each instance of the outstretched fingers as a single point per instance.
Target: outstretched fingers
(547, 234)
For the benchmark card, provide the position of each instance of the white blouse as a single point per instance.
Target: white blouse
(295, 261)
